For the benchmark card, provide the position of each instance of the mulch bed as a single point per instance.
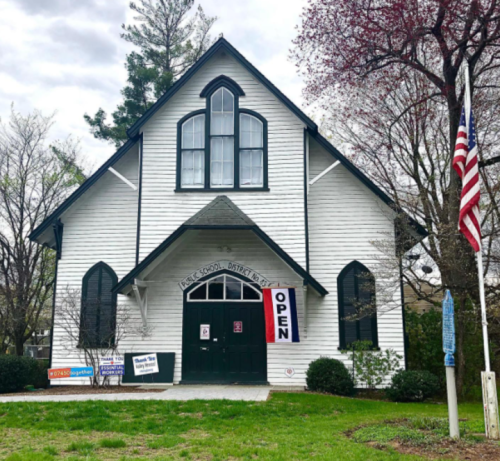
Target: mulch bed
(72, 390)
(446, 448)
(449, 449)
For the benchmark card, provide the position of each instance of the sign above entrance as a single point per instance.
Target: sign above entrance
(224, 265)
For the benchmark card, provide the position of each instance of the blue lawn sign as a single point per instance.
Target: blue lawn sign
(112, 366)
(448, 330)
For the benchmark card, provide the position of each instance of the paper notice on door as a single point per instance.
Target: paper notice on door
(204, 331)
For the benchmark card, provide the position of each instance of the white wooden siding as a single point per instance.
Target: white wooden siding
(345, 218)
(101, 226)
(165, 298)
(280, 212)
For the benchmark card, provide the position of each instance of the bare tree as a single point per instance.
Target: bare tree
(34, 179)
(77, 331)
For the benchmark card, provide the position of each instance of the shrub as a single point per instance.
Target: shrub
(372, 367)
(18, 372)
(412, 386)
(39, 374)
(329, 375)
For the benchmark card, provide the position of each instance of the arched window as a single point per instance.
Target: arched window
(98, 312)
(222, 138)
(193, 152)
(357, 306)
(225, 288)
(222, 147)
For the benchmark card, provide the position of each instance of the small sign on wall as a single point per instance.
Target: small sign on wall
(145, 364)
(238, 327)
(205, 332)
(289, 372)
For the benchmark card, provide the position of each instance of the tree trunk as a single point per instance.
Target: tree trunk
(19, 344)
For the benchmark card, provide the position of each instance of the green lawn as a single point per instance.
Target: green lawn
(287, 427)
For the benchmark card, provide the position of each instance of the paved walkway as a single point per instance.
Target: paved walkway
(205, 392)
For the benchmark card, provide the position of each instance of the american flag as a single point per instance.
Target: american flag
(465, 162)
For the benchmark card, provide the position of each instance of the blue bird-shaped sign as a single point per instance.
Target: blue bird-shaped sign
(448, 330)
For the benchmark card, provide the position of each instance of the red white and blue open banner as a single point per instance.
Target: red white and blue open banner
(280, 309)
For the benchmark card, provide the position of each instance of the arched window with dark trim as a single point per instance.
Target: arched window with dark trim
(98, 311)
(357, 305)
(223, 146)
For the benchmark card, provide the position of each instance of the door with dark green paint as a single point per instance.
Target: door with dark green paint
(235, 349)
(223, 332)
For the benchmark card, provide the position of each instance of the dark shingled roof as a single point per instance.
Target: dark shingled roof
(220, 212)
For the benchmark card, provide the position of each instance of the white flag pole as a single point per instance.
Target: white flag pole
(490, 400)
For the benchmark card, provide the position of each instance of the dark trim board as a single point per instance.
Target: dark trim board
(306, 188)
(82, 189)
(139, 201)
(217, 82)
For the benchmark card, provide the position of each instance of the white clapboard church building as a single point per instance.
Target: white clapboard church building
(224, 187)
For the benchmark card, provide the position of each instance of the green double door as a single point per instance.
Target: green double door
(224, 342)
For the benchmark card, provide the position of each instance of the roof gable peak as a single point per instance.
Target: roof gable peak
(221, 211)
(220, 44)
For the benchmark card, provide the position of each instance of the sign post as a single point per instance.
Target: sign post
(449, 362)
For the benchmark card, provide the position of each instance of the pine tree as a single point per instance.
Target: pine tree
(169, 42)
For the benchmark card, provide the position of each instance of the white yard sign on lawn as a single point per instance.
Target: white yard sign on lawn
(145, 364)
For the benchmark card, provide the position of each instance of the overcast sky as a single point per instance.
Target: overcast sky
(66, 56)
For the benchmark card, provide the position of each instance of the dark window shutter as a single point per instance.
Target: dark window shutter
(356, 289)
(98, 311)
(107, 314)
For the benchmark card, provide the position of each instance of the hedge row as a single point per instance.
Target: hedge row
(331, 376)
(18, 372)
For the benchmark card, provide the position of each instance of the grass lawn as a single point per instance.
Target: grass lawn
(287, 427)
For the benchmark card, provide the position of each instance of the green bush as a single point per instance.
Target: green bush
(413, 386)
(329, 375)
(371, 367)
(18, 372)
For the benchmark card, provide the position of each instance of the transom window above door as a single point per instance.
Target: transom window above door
(222, 147)
(225, 288)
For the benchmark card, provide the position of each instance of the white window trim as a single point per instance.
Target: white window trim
(206, 300)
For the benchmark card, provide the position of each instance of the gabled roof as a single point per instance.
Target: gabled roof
(52, 218)
(221, 44)
(221, 213)
(133, 132)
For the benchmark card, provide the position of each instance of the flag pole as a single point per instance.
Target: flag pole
(490, 399)
(479, 257)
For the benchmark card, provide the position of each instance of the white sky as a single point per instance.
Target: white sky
(66, 56)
